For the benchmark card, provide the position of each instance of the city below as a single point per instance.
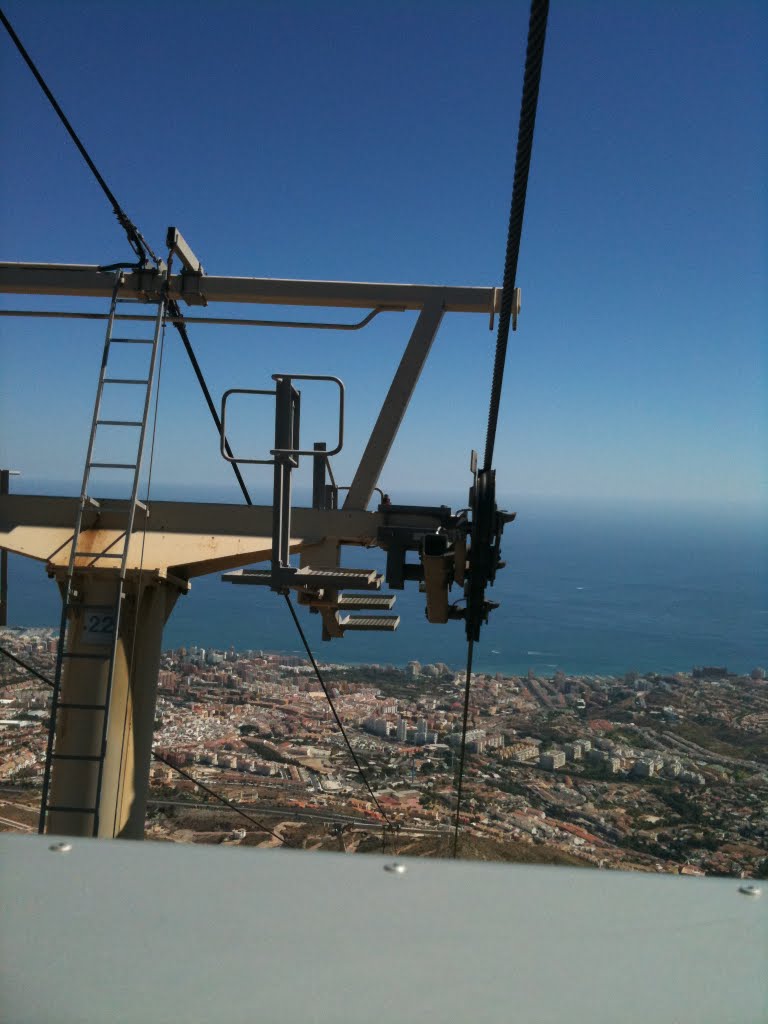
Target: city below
(645, 772)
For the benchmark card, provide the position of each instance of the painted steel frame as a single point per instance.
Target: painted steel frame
(431, 301)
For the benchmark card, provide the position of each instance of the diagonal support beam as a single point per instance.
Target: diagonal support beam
(394, 407)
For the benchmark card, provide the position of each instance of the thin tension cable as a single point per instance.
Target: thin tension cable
(137, 241)
(340, 724)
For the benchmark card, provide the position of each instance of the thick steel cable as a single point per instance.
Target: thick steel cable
(534, 56)
(339, 722)
(537, 30)
(177, 320)
(136, 240)
(459, 785)
(159, 757)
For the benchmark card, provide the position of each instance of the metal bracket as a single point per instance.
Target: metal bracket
(149, 282)
(177, 244)
(191, 278)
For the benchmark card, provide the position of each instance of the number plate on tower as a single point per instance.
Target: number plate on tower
(98, 625)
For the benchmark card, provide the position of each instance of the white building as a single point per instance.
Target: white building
(552, 759)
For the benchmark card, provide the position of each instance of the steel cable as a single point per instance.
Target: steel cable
(339, 722)
(222, 799)
(159, 757)
(24, 665)
(137, 241)
(135, 238)
(537, 30)
(177, 319)
(459, 785)
(534, 56)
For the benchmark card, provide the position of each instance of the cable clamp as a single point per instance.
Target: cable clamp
(516, 306)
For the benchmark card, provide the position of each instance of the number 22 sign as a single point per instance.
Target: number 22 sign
(98, 625)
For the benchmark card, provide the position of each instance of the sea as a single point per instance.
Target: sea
(589, 588)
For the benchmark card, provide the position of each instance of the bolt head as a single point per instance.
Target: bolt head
(750, 890)
(395, 868)
(60, 847)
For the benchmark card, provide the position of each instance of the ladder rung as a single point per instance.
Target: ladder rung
(119, 423)
(112, 465)
(96, 554)
(82, 654)
(124, 380)
(87, 500)
(76, 757)
(82, 707)
(70, 810)
(132, 341)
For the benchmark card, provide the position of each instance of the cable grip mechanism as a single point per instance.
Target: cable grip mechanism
(484, 548)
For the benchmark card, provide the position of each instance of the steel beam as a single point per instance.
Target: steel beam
(179, 246)
(90, 281)
(395, 404)
(188, 539)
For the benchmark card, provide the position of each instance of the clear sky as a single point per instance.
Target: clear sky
(375, 141)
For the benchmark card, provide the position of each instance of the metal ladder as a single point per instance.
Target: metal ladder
(115, 556)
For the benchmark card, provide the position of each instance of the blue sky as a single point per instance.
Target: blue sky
(376, 142)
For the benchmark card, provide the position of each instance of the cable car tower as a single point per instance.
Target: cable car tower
(122, 564)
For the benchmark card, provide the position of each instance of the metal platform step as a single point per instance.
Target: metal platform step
(366, 602)
(356, 579)
(253, 577)
(315, 579)
(376, 623)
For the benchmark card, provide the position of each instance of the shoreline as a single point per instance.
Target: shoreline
(481, 666)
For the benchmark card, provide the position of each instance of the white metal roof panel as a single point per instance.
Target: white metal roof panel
(153, 932)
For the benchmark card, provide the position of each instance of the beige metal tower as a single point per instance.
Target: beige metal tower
(118, 562)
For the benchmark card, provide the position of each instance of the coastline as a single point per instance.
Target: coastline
(481, 666)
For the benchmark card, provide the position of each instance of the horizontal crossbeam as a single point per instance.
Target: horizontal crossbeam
(186, 538)
(90, 281)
